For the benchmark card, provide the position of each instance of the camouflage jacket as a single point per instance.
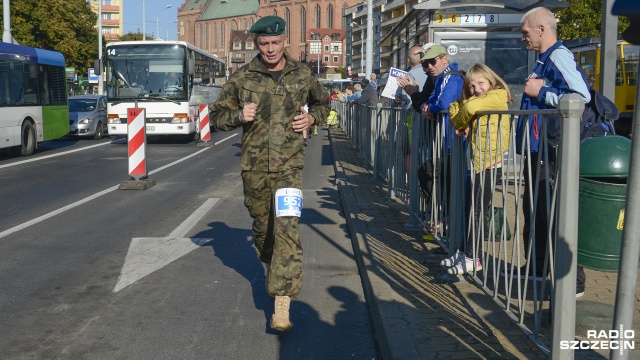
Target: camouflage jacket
(269, 142)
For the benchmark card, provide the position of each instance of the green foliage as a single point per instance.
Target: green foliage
(133, 36)
(342, 70)
(67, 26)
(583, 19)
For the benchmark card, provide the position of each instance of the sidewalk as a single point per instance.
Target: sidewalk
(418, 310)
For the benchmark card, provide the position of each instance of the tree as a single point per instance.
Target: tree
(583, 19)
(342, 71)
(67, 26)
(313, 65)
(133, 36)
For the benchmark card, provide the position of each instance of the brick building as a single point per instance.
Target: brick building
(209, 24)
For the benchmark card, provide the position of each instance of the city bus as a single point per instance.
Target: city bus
(164, 77)
(33, 97)
(587, 54)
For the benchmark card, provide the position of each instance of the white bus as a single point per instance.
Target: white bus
(33, 97)
(162, 77)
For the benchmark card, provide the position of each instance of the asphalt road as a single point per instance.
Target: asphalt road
(88, 271)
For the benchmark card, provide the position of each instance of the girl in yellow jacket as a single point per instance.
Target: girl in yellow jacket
(488, 139)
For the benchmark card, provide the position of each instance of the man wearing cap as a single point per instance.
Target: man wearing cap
(419, 86)
(274, 99)
(449, 81)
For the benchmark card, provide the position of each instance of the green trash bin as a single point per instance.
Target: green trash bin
(604, 168)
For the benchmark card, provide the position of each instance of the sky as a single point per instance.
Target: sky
(153, 9)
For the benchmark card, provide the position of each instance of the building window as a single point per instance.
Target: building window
(214, 37)
(326, 59)
(249, 45)
(335, 59)
(287, 19)
(330, 16)
(303, 23)
(237, 45)
(223, 43)
(205, 44)
(326, 48)
(318, 15)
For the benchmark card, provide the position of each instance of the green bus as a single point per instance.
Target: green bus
(33, 97)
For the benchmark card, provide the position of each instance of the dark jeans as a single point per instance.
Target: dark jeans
(541, 223)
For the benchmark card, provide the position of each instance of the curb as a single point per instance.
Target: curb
(394, 340)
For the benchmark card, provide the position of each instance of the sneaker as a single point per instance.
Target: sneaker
(280, 319)
(452, 260)
(314, 133)
(465, 266)
(579, 294)
(305, 142)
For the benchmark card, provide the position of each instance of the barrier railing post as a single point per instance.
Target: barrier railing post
(205, 129)
(137, 151)
(571, 107)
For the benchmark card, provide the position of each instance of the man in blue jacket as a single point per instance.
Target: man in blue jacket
(556, 73)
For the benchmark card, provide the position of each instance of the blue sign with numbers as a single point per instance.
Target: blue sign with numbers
(288, 202)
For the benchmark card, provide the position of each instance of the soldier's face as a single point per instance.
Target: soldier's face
(271, 49)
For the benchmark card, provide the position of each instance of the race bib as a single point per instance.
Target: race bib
(288, 202)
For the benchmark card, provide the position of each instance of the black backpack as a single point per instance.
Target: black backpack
(597, 118)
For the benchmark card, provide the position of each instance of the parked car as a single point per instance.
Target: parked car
(88, 116)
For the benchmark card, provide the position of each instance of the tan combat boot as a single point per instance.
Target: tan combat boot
(280, 319)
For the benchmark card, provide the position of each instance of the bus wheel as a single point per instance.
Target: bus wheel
(99, 131)
(27, 140)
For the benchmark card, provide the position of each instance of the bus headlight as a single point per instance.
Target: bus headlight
(113, 119)
(180, 118)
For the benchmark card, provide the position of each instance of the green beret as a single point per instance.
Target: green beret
(269, 25)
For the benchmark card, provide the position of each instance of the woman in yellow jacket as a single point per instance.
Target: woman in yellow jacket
(488, 138)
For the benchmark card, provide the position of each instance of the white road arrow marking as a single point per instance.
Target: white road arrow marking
(147, 255)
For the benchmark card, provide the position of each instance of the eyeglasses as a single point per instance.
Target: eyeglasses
(418, 53)
(432, 62)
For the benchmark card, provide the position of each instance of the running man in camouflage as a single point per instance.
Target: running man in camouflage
(274, 99)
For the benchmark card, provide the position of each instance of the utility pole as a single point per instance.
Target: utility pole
(101, 76)
(144, 28)
(369, 63)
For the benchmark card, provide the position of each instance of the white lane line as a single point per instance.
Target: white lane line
(146, 255)
(92, 197)
(53, 155)
(189, 222)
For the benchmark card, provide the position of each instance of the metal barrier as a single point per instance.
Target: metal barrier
(397, 153)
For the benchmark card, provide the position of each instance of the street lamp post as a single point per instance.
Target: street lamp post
(157, 18)
(100, 77)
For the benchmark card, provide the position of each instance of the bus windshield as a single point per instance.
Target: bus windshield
(146, 71)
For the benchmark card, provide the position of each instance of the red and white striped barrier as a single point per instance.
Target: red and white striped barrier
(137, 142)
(205, 130)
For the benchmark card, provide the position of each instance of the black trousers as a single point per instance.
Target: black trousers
(481, 199)
(541, 224)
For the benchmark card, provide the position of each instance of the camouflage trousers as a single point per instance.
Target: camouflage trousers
(277, 239)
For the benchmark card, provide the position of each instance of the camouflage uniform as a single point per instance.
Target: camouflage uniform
(272, 157)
